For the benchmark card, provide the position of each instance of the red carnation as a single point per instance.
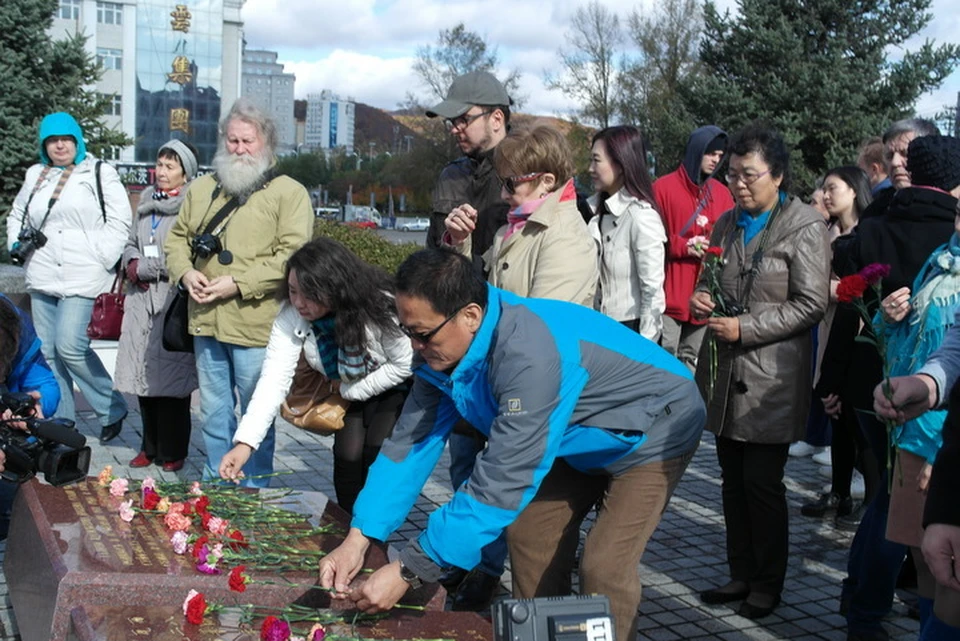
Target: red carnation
(150, 499)
(198, 545)
(196, 608)
(205, 519)
(238, 540)
(273, 629)
(201, 505)
(714, 251)
(874, 273)
(237, 581)
(187, 510)
(851, 288)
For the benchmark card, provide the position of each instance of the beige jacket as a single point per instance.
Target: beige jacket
(261, 234)
(552, 256)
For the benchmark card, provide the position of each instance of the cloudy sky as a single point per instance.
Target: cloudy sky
(364, 48)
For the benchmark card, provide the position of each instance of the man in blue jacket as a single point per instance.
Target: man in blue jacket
(577, 409)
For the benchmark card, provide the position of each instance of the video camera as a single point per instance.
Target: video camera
(51, 446)
(565, 618)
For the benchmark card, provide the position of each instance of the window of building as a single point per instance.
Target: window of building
(69, 10)
(109, 13)
(113, 107)
(110, 58)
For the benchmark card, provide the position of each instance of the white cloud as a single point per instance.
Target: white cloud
(365, 48)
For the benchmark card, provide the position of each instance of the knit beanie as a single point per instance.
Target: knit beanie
(934, 161)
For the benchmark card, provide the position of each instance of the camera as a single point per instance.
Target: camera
(206, 245)
(28, 241)
(566, 618)
(50, 446)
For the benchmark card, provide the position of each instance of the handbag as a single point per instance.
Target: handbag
(176, 337)
(311, 404)
(107, 316)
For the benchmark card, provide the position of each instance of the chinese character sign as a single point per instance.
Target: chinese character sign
(181, 71)
(181, 18)
(180, 120)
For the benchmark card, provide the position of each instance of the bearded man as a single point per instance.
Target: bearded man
(235, 231)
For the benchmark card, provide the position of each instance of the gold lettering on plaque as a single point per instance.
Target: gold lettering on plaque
(181, 18)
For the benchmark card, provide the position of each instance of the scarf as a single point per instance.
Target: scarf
(344, 363)
(753, 225)
(159, 194)
(517, 218)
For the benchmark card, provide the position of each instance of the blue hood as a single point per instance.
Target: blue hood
(61, 124)
(697, 144)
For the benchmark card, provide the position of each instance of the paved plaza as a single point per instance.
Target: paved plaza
(686, 554)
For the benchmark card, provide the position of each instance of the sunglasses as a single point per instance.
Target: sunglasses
(510, 183)
(425, 337)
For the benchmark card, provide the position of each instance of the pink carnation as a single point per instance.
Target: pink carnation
(702, 221)
(176, 521)
(126, 511)
(216, 553)
(195, 488)
(218, 526)
(208, 568)
(179, 541)
(148, 484)
(119, 487)
(186, 602)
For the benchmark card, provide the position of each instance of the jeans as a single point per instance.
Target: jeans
(226, 372)
(874, 562)
(61, 324)
(463, 455)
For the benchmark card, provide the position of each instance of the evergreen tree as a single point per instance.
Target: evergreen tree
(817, 70)
(39, 76)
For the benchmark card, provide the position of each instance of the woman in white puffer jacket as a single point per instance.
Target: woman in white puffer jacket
(69, 251)
(341, 316)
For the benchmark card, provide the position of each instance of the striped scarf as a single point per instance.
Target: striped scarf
(349, 364)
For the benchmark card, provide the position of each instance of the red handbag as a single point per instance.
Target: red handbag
(107, 316)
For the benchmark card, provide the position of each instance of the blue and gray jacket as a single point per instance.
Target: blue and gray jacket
(542, 379)
(29, 370)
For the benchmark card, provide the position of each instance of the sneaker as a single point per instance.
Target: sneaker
(802, 448)
(826, 471)
(826, 489)
(857, 489)
(823, 457)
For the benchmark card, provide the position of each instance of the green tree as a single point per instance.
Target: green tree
(667, 41)
(310, 170)
(39, 76)
(817, 70)
(587, 58)
(457, 51)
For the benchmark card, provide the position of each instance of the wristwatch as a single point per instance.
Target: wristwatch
(408, 575)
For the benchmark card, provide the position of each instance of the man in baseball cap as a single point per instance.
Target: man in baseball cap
(476, 112)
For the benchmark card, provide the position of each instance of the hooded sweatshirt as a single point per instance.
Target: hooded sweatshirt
(679, 194)
(61, 124)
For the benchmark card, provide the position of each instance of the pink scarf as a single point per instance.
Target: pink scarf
(517, 218)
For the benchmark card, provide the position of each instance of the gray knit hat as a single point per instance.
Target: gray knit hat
(934, 161)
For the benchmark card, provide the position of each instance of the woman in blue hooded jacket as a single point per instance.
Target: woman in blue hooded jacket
(68, 227)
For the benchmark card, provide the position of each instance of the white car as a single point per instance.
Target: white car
(419, 224)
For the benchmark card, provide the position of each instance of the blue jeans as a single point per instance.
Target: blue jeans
(61, 324)
(226, 372)
(874, 562)
(463, 455)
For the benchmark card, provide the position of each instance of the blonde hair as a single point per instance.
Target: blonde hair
(537, 148)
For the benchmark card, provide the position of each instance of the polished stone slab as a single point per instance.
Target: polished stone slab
(68, 549)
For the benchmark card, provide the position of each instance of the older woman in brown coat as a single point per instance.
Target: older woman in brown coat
(774, 286)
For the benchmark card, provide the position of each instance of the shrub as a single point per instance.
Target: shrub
(366, 244)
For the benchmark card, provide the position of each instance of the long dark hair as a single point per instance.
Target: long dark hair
(9, 337)
(626, 150)
(359, 294)
(857, 180)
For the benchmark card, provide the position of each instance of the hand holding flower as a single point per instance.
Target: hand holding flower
(381, 591)
(701, 305)
(725, 328)
(896, 306)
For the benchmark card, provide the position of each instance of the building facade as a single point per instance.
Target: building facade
(266, 84)
(330, 122)
(170, 66)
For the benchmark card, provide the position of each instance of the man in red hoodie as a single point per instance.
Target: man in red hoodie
(691, 200)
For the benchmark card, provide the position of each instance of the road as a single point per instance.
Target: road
(398, 237)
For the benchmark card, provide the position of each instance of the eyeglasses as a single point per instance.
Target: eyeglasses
(464, 121)
(510, 183)
(746, 179)
(426, 337)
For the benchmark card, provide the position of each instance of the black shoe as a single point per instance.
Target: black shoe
(819, 508)
(875, 635)
(847, 506)
(476, 591)
(758, 606)
(110, 432)
(851, 521)
(733, 591)
(451, 578)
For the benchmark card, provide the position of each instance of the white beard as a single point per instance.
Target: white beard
(240, 175)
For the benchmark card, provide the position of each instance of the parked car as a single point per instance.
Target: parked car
(419, 224)
(362, 224)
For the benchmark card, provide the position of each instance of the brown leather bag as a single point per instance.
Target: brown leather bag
(311, 404)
